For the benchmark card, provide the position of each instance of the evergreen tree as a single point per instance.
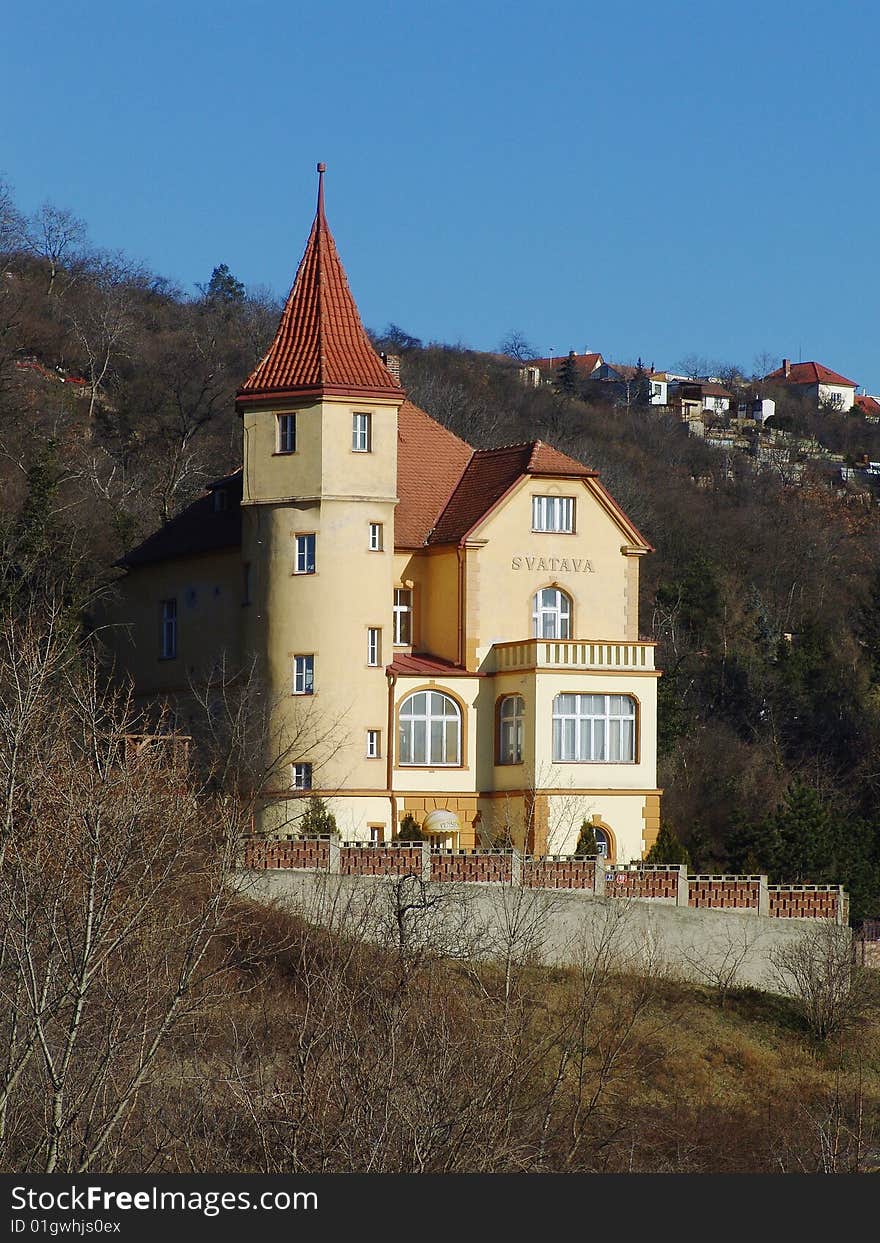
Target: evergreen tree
(317, 821)
(567, 376)
(586, 842)
(223, 287)
(668, 849)
(640, 387)
(806, 838)
(409, 830)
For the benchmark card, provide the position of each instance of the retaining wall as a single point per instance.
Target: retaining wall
(659, 883)
(549, 926)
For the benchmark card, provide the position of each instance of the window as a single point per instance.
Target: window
(603, 850)
(551, 614)
(510, 730)
(361, 432)
(286, 439)
(168, 629)
(374, 646)
(301, 775)
(402, 617)
(374, 741)
(594, 728)
(430, 729)
(219, 500)
(303, 675)
(304, 562)
(377, 832)
(553, 513)
(246, 583)
(375, 544)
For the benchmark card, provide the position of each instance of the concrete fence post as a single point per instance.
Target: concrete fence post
(333, 861)
(763, 896)
(516, 868)
(599, 878)
(426, 860)
(683, 894)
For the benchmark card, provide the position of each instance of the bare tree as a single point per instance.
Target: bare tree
(57, 236)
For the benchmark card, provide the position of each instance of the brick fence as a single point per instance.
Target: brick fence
(667, 883)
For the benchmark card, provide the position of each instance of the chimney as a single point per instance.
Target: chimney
(786, 367)
(392, 365)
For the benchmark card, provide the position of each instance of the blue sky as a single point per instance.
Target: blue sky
(647, 178)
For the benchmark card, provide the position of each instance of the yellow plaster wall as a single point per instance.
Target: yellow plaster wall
(505, 574)
(209, 592)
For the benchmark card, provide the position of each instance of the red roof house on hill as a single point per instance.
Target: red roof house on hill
(829, 388)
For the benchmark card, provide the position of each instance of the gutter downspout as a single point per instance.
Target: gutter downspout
(391, 677)
(461, 552)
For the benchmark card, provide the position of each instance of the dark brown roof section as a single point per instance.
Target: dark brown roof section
(199, 528)
(320, 346)
(430, 462)
(489, 474)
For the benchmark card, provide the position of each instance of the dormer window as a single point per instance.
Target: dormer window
(553, 513)
(285, 433)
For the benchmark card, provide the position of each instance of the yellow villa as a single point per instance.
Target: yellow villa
(446, 632)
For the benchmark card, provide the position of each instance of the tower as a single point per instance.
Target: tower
(319, 424)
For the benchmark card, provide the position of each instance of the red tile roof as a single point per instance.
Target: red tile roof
(417, 665)
(488, 476)
(810, 373)
(430, 462)
(868, 405)
(586, 363)
(320, 346)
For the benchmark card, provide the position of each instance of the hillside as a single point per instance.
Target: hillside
(116, 407)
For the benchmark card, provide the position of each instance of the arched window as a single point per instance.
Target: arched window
(551, 614)
(430, 729)
(603, 848)
(594, 728)
(510, 729)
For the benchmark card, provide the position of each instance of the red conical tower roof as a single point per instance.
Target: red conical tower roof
(320, 347)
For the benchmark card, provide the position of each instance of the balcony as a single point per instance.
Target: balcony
(571, 654)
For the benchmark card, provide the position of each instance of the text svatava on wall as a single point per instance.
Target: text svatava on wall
(565, 565)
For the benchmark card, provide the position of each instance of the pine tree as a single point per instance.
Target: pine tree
(668, 849)
(567, 376)
(317, 820)
(586, 842)
(806, 840)
(223, 287)
(409, 830)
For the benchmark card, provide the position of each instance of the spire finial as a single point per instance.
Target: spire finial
(322, 168)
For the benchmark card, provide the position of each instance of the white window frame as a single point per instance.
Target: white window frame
(559, 610)
(285, 436)
(168, 628)
(403, 617)
(374, 539)
(553, 513)
(301, 553)
(361, 432)
(419, 745)
(374, 744)
(301, 776)
(511, 729)
(588, 732)
(374, 646)
(304, 674)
